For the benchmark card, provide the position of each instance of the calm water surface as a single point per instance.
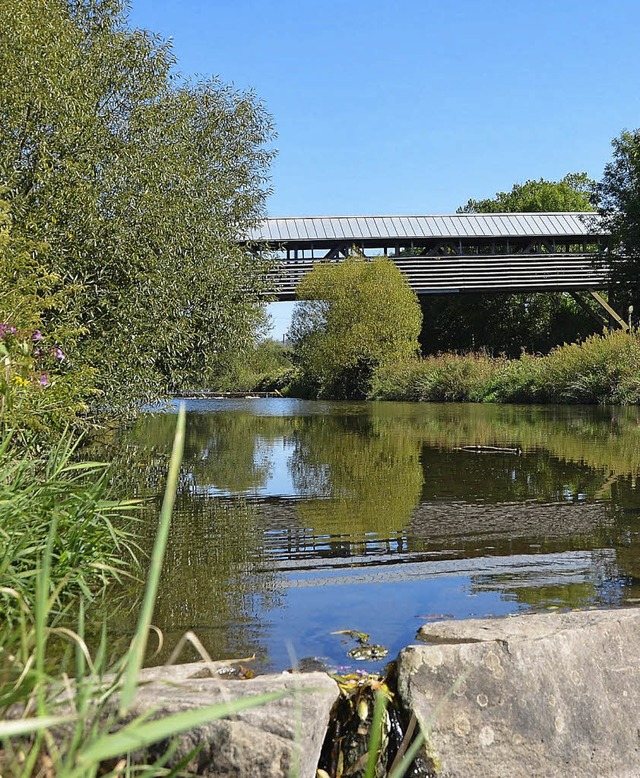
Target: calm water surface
(295, 519)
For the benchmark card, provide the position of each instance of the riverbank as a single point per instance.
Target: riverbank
(603, 369)
(551, 695)
(209, 394)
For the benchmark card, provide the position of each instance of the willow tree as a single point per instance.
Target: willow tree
(351, 317)
(136, 184)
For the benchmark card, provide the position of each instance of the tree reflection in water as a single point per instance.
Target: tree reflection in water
(281, 495)
(359, 478)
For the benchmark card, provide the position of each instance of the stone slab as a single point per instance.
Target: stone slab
(541, 696)
(273, 740)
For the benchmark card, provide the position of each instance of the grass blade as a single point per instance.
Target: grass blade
(137, 735)
(410, 754)
(375, 737)
(21, 727)
(139, 643)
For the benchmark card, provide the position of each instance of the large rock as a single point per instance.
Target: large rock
(277, 739)
(534, 695)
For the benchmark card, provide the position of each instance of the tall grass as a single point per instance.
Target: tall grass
(91, 542)
(442, 378)
(602, 369)
(51, 724)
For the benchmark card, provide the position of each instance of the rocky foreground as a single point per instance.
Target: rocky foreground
(535, 695)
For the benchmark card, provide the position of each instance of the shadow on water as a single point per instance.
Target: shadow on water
(295, 519)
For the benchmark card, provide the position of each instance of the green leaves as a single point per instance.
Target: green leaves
(354, 316)
(574, 192)
(135, 185)
(619, 206)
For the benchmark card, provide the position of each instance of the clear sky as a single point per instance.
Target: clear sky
(414, 106)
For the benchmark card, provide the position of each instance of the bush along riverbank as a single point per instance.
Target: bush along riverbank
(604, 369)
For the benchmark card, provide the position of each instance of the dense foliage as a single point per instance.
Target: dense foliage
(352, 316)
(602, 369)
(508, 323)
(619, 205)
(38, 390)
(265, 367)
(502, 323)
(124, 189)
(574, 192)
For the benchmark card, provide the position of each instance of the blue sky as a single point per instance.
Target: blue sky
(415, 106)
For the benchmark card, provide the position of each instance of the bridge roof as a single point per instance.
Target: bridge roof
(459, 225)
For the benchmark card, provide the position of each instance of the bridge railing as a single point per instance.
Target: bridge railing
(480, 273)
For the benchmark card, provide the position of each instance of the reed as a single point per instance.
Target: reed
(52, 500)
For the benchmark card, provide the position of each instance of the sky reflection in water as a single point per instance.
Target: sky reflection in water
(295, 519)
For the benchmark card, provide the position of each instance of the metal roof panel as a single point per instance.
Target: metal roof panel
(312, 228)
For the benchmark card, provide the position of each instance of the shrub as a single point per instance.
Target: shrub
(517, 381)
(352, 317)
(266, 367)
(443, 378)
(602, 369)
(38, 391)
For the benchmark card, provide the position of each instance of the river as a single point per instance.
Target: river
(296, 519)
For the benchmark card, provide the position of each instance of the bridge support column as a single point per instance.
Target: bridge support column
(605, 305)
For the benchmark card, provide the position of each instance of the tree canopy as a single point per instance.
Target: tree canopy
(619, 205)
(574, 192)
(352, 316)
(508, 323)
(133, 184)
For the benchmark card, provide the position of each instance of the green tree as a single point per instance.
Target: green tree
(265, 368)
(138, 182)
(574, 192)
(352, 316)
(508, 323)
(619, 206)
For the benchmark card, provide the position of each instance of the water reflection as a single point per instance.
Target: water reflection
(359, 477)
(295, 519)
